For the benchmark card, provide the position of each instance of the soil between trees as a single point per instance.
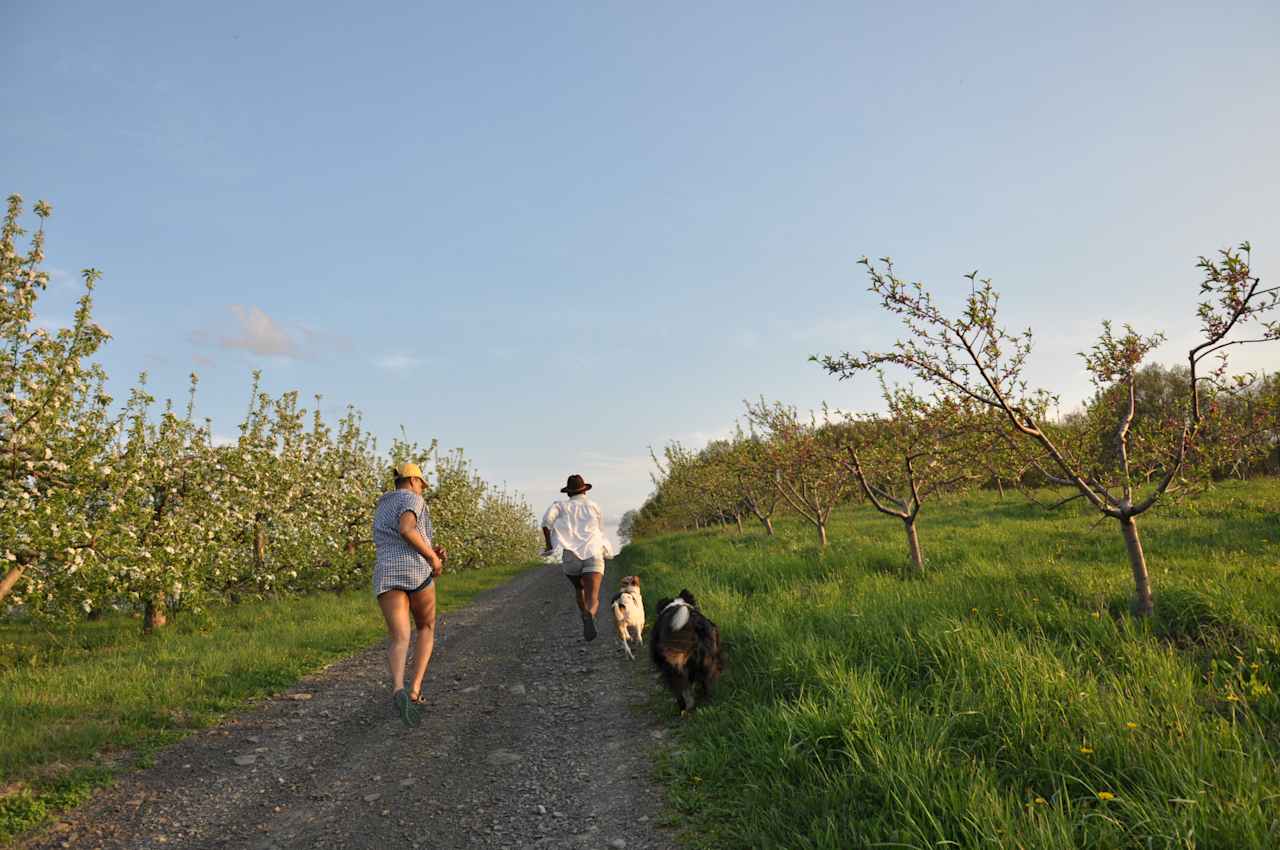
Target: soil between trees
(530, 738)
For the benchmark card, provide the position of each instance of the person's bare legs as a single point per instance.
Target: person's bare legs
(590, 593)
(423, 606)
(586, 591)
(395, 610)
(576, 581)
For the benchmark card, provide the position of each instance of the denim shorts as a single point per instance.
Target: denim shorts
(575, 566)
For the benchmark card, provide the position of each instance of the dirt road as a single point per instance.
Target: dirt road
(532, 738)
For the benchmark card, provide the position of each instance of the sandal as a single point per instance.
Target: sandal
(408, 711)
(417, 698)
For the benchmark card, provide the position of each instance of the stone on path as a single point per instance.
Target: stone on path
(500, 758)
(245, 761)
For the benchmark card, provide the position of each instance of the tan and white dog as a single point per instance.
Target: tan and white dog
(628, 613)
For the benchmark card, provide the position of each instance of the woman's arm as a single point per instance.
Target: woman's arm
(409, 531)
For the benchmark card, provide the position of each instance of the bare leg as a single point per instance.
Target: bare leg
(395, 610)
(423, 606)
(591, 592)
(576, 581)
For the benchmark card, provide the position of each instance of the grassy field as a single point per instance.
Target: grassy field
(77, 707)
(1005, 699)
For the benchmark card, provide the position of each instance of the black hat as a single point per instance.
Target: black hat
(575, 485)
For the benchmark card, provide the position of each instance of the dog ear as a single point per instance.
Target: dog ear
(688, 597)
(664, 602)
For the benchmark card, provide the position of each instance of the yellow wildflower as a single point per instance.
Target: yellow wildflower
(1131, 725)
(1106, 795)
(1041, 801)
(1086, 749)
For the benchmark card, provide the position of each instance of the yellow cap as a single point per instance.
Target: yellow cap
(409, 470)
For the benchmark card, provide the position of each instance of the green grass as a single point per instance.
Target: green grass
(1005, 699)
(77, 707)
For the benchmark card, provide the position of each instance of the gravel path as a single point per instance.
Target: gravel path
(532, 738)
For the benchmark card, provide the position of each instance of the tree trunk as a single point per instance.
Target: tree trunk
(259, 543)
(822, 534)
(10, 579)
(913, 546)
(738, 519)
(768, 525)
(153, 616)
(1000, 486)
(1142, 604)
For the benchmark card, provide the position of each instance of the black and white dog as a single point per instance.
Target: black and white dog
(685, 647)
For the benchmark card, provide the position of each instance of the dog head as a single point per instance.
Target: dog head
(629, 583)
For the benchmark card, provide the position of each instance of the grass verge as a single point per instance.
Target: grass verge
(77, 707)
(1004, 699)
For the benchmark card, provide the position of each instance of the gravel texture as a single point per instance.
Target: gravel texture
(531, 738)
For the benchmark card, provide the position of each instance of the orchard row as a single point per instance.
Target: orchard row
(1149, 434)
(106, 505)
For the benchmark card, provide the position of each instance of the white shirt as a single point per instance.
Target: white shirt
(578, 526)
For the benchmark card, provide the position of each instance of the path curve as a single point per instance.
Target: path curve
(532, 738)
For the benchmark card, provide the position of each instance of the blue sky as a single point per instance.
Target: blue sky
(555, 234)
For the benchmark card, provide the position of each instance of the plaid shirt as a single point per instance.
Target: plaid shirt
(399, 565)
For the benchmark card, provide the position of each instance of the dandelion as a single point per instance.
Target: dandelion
(1131, 725)
(1086, 749)
(1106, 795)
(1232, 698)
(1041, 801)
(1096, 615)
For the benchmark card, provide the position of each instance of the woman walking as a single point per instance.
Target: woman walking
(404, 582)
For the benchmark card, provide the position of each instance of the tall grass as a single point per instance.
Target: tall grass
(74, 705)
(1005, 699)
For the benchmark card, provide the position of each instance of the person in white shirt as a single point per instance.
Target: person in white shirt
(577, 525)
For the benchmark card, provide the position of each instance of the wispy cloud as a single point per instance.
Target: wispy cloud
(62, 277)
(397, 362)
(259, 333)
(53, 323)
(251, 329)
